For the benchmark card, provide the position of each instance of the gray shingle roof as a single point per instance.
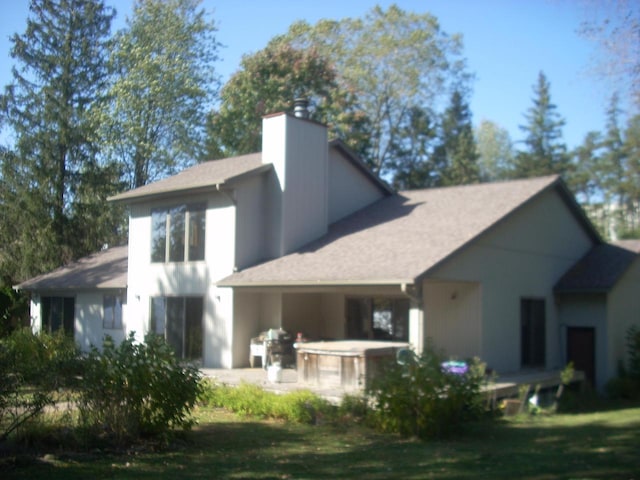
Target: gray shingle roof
(600, 268)
(103, 270)
(205, 175)
(399, 238)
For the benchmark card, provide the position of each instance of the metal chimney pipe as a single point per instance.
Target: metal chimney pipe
(301, 107)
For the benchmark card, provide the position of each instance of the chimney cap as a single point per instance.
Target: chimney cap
(301, 107)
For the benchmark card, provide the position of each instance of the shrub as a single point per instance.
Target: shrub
(300, 406)
(137, 389)
(627, 384)
(633, 350)
(425, 397)
(34, 371)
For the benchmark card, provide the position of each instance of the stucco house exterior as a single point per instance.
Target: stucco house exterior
(304, 237)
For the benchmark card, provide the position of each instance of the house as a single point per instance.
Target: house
(302, 236)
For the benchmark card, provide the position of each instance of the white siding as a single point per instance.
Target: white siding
(523, 257)
(147, 279)
(251, 221)
(349, 189)
(453, 319)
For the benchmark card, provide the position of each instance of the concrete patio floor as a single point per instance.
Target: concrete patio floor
(505, 386)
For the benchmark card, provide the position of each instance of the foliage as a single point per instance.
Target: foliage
(33, 370)
(413, 159)
(606, 175)
(419, 397)
(268, 82)
(49, 211)
(615, 31)
(633, 351)
(137, 389)
(392, 61)
(300, 406)
(164, 84)
(627, 384)
(495, 151)
(456, 151)
(432, 152)
(544, 152)
(14, 308)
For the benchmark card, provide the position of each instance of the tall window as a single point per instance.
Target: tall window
(57, 314)
(178, 233)
(112, 312)
(532, 332)
(378, 318)
(179, 321)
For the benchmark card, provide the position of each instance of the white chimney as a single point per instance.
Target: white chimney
(298, 205)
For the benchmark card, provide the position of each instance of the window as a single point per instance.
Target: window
(178, 233)
(378, 318)
(57, 314)
(532, 332)
(179, 321)
(112, 312)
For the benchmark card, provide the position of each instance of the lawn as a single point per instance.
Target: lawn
(602, 445)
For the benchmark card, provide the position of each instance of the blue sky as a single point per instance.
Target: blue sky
(506, 43)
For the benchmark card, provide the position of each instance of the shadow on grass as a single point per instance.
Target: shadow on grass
(600, 445)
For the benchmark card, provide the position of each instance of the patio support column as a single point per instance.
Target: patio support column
(416, 327)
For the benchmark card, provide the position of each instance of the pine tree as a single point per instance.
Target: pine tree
(412, 151)
(545, 152)
(612, 163)
(631, 180)
(457, 154)
(61, 75)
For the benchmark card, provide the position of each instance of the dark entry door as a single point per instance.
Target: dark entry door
(581, 350)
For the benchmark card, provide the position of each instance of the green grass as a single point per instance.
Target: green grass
(602, 445)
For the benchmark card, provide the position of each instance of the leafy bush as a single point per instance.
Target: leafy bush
(426, 397)
(300, 406)
(137, 389)
(34, 371)
(627, 384)
(633, 350)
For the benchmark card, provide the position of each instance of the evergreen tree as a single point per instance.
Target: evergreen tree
(457, 155)
(612, 163)
(60, 77)
(584, 179)
(545, 152)
(631, 180)
(165, 82)
(412, 152)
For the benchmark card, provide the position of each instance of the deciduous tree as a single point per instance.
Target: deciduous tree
(164, 85)
(392, 61)
(268, 82)
(495, 151)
